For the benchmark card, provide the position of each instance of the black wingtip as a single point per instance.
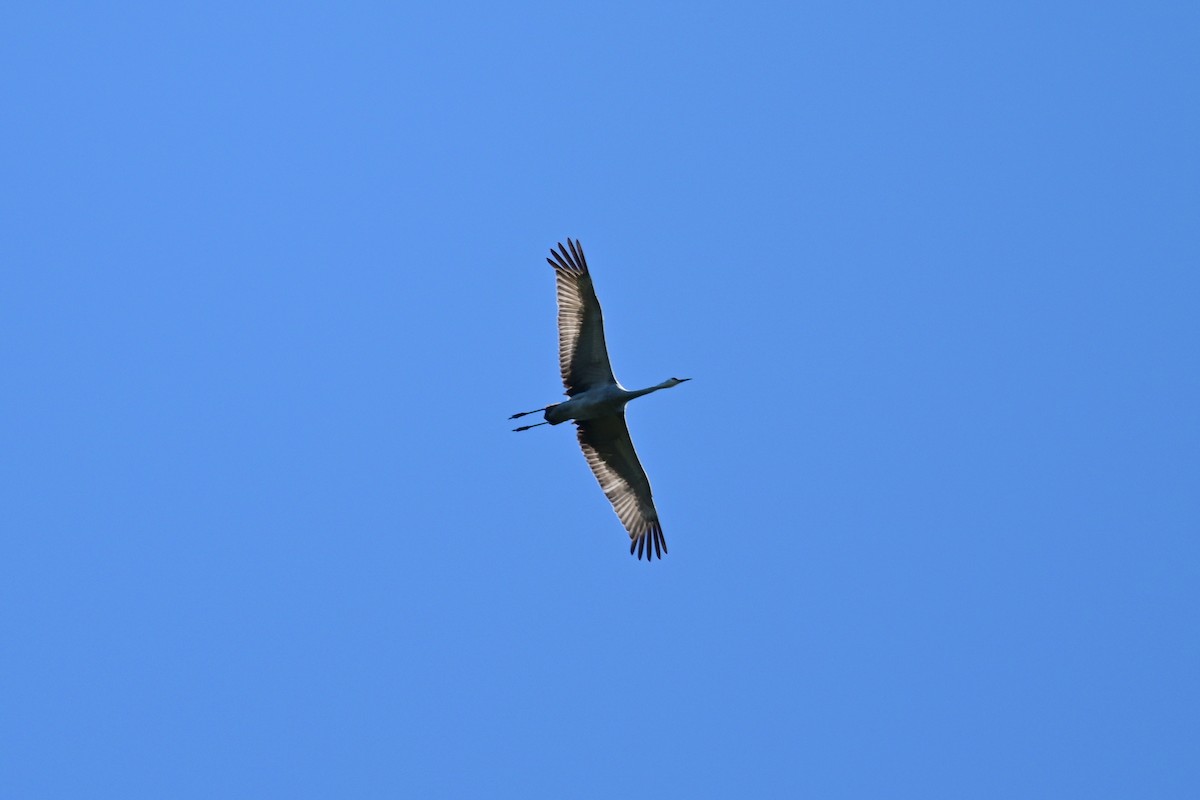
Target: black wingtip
(569, 258)
(650, 543)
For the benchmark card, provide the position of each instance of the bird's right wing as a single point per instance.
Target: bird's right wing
(609, 452)
(582, 356)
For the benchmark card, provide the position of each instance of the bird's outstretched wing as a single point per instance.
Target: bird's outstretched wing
(582, 356)
(609, 452)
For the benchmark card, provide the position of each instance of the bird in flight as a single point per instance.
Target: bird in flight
(596, 403)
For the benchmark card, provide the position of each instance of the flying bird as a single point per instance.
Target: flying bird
(596, 403)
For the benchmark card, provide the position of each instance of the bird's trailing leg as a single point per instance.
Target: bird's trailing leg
(527, 427)
(526, 413)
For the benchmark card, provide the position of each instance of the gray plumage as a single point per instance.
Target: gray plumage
(597, 402)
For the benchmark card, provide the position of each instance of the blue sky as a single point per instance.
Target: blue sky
(274, 280)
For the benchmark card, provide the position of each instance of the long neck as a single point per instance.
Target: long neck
(640, 392)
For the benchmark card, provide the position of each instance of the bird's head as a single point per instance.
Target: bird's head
(675, 381)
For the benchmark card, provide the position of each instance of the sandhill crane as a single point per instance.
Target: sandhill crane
(597, 403)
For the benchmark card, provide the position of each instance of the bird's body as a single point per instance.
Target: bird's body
(597, 403)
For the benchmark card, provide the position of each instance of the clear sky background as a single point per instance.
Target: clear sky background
(273, 279)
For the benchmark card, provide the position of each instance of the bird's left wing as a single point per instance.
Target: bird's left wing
(582, 355)
(609, 452)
